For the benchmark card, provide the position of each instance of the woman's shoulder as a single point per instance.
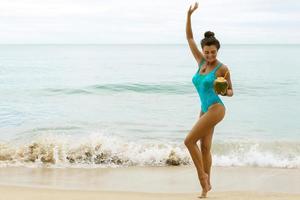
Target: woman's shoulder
(222, 69)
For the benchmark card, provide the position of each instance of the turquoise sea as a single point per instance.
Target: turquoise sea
(126, 105)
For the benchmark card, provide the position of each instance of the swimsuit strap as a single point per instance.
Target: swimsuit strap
(218, 66)
(226, 73)
(200, 64)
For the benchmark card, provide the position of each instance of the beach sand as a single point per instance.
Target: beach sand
(147, 183)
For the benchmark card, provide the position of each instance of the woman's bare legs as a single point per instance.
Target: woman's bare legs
(191, 143)
(202, 128)
(206, 154)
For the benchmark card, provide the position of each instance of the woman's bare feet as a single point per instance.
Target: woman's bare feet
(209, 185)
(205, 186)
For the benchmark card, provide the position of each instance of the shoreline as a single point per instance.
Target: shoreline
(147, 183)
(180, 179)
(13, 193)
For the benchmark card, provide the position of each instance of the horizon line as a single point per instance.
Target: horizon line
(142, 44)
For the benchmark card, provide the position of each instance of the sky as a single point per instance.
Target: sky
(147, 22)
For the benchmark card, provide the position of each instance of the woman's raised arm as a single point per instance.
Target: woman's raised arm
(189, 35)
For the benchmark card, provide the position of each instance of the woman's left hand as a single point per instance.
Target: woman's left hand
(223, 93)
(228, 93)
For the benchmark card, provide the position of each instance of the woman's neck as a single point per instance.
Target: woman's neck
(212, 64)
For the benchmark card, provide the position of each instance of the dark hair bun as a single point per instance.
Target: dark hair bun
(208, 34)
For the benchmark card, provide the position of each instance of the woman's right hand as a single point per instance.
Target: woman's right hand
(192, 9)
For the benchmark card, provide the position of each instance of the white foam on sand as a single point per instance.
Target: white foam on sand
(102, 150)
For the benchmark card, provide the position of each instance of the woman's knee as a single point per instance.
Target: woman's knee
(200, 130)
(188, 141)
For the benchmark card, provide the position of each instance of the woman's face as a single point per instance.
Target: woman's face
(210, 53)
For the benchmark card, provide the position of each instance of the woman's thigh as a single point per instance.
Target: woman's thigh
(206, 122)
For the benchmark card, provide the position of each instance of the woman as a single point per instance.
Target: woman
(212, 107)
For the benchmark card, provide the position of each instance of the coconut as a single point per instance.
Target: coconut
(220, 85)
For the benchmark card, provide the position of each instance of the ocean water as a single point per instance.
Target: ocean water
(125, 105)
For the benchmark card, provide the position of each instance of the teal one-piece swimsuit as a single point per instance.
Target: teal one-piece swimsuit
(204, 84)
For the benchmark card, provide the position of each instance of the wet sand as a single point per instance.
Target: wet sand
(147, 183)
